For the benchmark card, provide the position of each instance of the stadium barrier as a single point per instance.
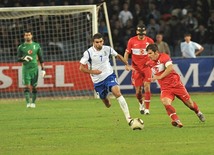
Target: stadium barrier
(197, 75)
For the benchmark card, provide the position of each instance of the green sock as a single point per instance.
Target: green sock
(27, 95)
(34, 95)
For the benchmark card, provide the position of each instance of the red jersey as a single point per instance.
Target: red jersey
(158, 67)
(137, 48)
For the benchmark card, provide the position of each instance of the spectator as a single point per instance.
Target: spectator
(210, 24)
(125, 14)
(138, 14)
(165, 29)
(176, 36)
(190, 22)
(153, 12)
(162, 45)
(168, 14)
(201, 35)
(153, 28)
(103, 28)
(189, 48)
(113, 8)
(6, 3)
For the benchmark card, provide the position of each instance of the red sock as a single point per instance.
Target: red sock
(171, 112)
(147, 99)
(139, 97)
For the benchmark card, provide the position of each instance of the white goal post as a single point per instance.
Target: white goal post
(64, 33)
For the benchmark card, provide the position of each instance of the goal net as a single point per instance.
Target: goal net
(64, 33)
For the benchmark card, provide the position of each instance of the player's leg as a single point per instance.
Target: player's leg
(139, 96)
(26, 82)
(112, 86)
(121, 100)
(34, 81)
(147, 91)
(106, 102)
(102, 92)
(184, 96)
(194, 107)
(137, 82)
(147, 97)
(34, 96)
(166, 98)
(27, 95)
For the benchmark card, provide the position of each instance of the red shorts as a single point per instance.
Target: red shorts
(179, 91)
(139, 77)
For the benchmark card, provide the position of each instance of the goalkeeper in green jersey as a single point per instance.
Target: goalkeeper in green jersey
(29, 53)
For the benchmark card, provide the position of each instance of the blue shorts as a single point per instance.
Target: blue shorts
(104, 87)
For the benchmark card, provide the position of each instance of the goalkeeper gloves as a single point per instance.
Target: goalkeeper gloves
(27, 58)
(43, 72)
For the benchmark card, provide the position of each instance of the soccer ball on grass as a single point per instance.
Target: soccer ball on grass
(136, 124)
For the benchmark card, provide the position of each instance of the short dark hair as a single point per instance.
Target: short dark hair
(152, 47)
(27, 31)
(97, 36)
(187, 34)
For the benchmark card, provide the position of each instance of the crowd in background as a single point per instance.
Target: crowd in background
(171, 18)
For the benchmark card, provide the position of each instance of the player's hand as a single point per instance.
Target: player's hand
(128, 67)
(27, 58)
(155, 77)
(43, 72)
(96, 72)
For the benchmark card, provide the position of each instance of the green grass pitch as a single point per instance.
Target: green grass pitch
(86, 127)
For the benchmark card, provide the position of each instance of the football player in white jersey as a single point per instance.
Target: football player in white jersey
(95, 61)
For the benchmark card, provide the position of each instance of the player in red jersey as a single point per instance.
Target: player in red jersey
(170, 84)
(141, 74)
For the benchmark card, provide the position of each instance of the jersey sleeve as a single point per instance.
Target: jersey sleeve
(40, 54)
(182, 47)
(19, 54)
(197, 46)
(85, 58)
(113, 52)
(166, 60)
(129, 46)
(151, 41)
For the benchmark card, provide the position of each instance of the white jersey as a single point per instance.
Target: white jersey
(188, 49)
(100, 61)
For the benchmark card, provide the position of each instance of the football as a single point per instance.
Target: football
(137, 124)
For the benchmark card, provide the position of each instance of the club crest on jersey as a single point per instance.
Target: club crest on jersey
(30, 52)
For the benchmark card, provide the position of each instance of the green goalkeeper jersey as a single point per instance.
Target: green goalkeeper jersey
(34, 50)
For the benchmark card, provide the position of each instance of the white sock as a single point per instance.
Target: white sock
(141, 106)
(124, 107)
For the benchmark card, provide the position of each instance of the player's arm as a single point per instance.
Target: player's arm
(84, 61)
(40, 58)
(182, 49)
(84, 68)
(41, 61)
(127, 52)
(199, 51)
(21, 58)
(167, 71)
(121, 58)
(126, 57)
